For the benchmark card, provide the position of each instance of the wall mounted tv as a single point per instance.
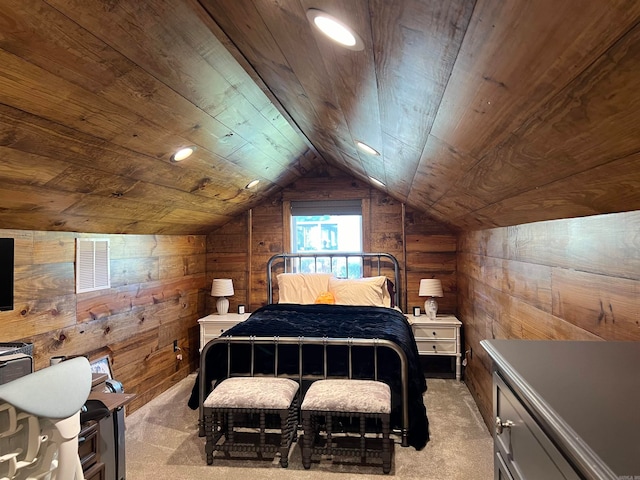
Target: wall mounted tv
(6, 273)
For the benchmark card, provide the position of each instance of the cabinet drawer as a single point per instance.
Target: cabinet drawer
(426, 331)
(426, 347)
(501, 472)
(523, 448)
(88, 445)
(95, 473)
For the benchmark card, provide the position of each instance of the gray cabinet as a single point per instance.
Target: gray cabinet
(565, 409)
(522, 449)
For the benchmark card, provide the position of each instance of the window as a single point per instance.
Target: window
(329, 226)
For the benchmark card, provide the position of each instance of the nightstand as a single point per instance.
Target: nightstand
(212, 326)
(438, 337)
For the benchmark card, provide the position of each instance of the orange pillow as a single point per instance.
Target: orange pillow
(326, 297)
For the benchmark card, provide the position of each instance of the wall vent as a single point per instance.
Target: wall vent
(92, 264)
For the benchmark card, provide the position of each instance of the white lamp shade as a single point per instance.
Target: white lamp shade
(222, 287)
(430, 287)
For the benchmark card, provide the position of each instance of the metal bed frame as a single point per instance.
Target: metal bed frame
(290, 261)
(301, 342)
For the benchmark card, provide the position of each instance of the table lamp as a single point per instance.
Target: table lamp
(430, 287)
(222, 288)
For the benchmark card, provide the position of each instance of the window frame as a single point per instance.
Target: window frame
(287, 221)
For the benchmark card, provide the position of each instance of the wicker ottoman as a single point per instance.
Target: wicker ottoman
(364, 399)
(236, 398)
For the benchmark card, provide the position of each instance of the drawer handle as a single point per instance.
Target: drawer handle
(434, 333)
(500, 425)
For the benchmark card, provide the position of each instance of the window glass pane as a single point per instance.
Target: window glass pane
(347, 268)
(326, 233)
(331, 234)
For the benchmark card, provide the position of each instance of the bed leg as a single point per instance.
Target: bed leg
(201, 428)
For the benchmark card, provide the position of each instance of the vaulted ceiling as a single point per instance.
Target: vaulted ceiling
(485, 113)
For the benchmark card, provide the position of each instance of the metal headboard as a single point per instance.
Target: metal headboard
(289, 260)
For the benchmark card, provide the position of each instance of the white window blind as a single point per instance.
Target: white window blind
(92, 264)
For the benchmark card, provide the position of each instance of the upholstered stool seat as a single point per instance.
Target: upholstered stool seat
(261, 396)
(364, 399)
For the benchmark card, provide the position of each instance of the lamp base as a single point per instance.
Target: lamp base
(222, 305)
(431, 308)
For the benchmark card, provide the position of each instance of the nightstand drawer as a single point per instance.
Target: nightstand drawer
(218, 328)
(213, 329)
(426, 347)
(429, 331)
(214, 325)
(206, 339)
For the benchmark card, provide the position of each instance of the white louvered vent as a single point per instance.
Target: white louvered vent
(92, 264)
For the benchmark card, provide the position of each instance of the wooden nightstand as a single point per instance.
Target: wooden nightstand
(438, 337)
(212, 326)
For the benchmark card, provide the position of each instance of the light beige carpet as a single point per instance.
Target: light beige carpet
(162, 443)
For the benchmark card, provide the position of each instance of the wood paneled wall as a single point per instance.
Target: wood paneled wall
(574, 279)
(241, 248)
(157, 293)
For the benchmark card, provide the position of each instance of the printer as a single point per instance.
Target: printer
(15, 361)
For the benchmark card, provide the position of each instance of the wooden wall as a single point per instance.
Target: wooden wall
(157, 293)
(574, 279)
(241, 248)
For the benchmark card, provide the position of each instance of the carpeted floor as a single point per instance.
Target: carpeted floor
(162, 443)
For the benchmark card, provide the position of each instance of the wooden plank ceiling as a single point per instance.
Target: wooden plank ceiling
(485, 113)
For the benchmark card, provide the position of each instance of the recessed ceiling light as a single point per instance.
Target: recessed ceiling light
(252, 183)
(366, 148)
(335, 29)
(377, 182)
(182, 154)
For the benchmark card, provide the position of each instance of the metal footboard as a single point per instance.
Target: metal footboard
(301, 375)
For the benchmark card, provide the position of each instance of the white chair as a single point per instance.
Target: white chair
(40, 422)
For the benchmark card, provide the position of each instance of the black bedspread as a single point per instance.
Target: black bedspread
(288, 320)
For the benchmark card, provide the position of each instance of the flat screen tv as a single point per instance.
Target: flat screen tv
(6, 273)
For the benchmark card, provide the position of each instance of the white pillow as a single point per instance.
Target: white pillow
(370, 291)
(302, 288)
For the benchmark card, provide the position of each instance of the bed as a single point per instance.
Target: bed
(359, 333)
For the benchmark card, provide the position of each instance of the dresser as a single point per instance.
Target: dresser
(214, 325)
(565, 409)
(102, 448)
(438, 337)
